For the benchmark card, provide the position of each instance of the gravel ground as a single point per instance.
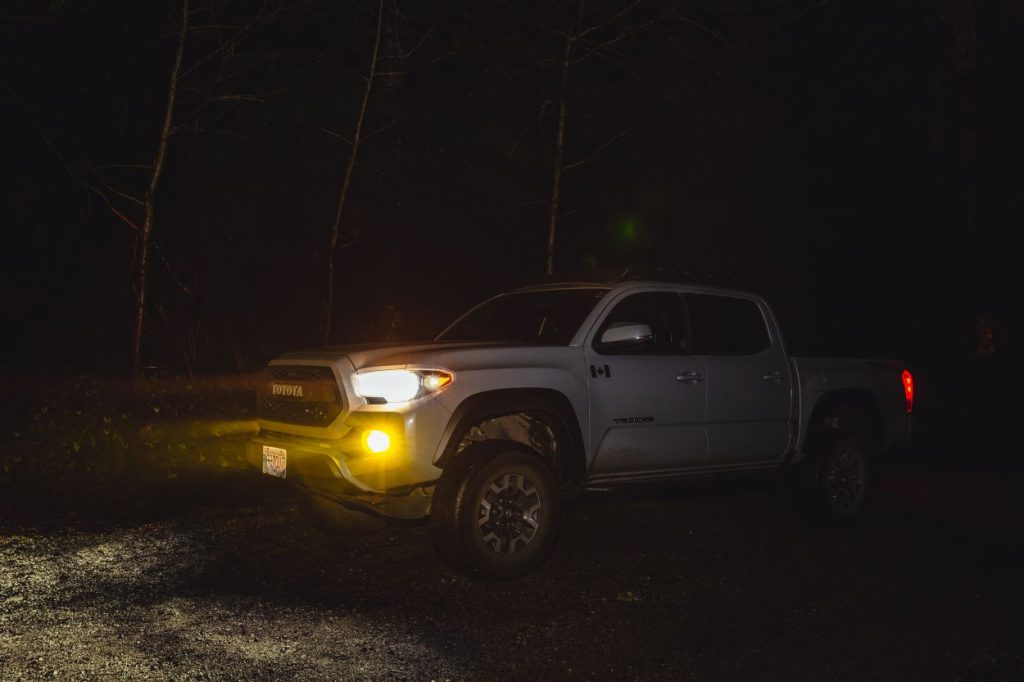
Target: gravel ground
(648, 584)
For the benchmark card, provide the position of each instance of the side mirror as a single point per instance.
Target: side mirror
(626, 337)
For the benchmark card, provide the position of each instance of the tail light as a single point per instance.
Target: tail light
(908, 390)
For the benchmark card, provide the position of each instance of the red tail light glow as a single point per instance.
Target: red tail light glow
(908, 389)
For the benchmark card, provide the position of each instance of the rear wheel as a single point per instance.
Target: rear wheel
(843, 477)
(832, 485)
(495, 512)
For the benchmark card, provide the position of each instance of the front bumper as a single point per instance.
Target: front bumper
(341, 472)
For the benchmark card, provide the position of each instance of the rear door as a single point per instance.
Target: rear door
(647, 406)
(748, 380)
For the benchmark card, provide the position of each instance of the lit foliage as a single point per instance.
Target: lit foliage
(84, 436)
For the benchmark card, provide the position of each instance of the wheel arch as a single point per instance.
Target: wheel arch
(846, 411)
(542, 419)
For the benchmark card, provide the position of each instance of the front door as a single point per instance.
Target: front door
(647, 404)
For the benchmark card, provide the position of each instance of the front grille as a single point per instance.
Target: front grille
(299, 373)
(298, 394)
(305, 414)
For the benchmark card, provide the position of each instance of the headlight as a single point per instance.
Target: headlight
(399, 385)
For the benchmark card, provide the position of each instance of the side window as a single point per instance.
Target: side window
(663, 311)
(727, 326)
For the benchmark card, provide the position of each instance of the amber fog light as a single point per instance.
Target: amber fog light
(376, 441)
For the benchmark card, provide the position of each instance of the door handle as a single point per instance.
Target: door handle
(690, 377)
(774, 377)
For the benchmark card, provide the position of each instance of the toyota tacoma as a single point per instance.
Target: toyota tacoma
(549, 390)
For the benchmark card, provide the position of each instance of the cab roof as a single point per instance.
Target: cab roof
(609, 279)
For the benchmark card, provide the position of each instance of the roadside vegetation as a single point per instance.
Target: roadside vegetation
(84, 440)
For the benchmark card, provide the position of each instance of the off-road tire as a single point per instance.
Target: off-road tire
(496, 511)
(831, 485)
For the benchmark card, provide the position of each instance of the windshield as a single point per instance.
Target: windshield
(543, 317)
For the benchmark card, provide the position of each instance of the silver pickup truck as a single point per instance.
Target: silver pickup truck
(552, 389)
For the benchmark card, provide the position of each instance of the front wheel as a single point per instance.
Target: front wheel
(495, 512)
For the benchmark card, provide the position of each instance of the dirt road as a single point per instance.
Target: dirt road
(688, 585)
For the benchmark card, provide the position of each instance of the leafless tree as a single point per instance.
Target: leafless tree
(149, 200)
(346, 180)
(960, 16)
(389, 64)
(571, 36)
(582, 42)
(204, 72)
(626, 38)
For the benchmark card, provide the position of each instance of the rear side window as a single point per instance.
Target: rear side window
(727, 326)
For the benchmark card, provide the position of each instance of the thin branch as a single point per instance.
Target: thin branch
(123, 195)
(75, 177)
(533, 122)
(192, 119)
(420, 67)
(717, 35)
(219, 131)
(419, 43)
(364, 138)
(625, 33)
(110, 188)
(525, 204)
(144, 166)
(603, 198)
(223, 48)
(796, 17)
(381, 129)
(539, 64)
(241, 98)
(597, 151)
(172, 273)
(218, 27)
(328, 131)
(113, 209)
(602, 54)
(618, 15)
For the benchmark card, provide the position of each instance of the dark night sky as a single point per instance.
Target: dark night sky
(858, 162)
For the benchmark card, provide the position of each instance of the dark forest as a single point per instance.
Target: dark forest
(193, 189)
(855, 162)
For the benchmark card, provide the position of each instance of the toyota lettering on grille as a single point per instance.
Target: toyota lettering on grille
(288, 390)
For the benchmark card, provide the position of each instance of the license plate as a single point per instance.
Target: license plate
(275, 461)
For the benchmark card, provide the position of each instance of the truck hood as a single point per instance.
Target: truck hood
(391, 354)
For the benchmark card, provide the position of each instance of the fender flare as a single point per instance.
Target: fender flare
(852, 411)
(554, 405)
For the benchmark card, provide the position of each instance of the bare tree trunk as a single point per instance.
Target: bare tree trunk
(149, 203)
(556, 179)
(347, 179)
(965, 48)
